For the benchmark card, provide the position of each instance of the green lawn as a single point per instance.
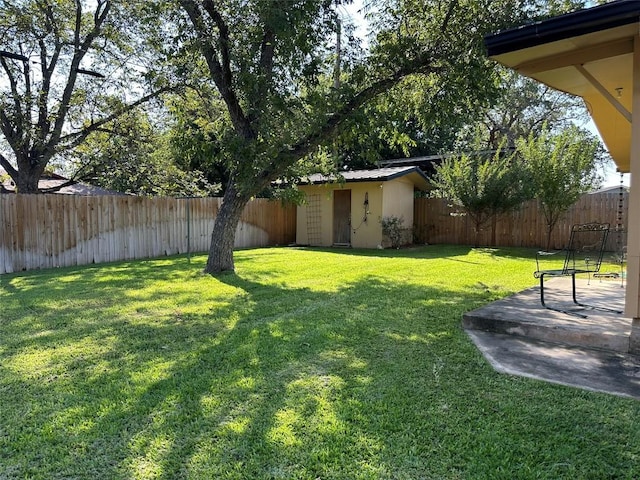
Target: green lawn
(307, 364)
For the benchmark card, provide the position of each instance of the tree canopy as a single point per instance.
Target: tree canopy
(132, 155)
(482, 184)
(560, 168)
(271, 64)
(522, 107)
(66, 69)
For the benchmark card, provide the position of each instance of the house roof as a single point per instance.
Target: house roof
(76, 188)
(53, 180)
(562, 27)
(588, 53)
(376, 175)
(615, 189)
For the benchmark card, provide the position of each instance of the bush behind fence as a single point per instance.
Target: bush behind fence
(525, 227)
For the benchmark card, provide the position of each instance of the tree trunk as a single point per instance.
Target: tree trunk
(494, 226)
(28, 178)
(478, 229)
(224, 232)
(549, 230)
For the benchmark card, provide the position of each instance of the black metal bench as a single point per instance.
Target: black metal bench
(583, 254)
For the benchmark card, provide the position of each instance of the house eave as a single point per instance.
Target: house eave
(582, 22)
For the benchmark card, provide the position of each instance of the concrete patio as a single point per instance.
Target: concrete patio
(520, 337)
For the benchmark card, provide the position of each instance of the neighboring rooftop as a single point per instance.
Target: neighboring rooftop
(612, 189)
(52, 182)
(426, 163)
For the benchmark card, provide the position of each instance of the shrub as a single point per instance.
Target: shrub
(393, 228)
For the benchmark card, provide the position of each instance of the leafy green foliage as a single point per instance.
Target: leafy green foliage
(132, 156)
(420, 116)
(482, 184)
(560, 168)
(195, 135)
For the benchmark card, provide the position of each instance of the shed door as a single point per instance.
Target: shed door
(342, 217)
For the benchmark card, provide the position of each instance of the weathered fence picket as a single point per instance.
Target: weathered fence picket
(437, 222)
(43, 231)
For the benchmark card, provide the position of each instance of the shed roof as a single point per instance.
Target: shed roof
(375, 175)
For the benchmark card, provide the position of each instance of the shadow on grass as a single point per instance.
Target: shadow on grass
(430, 252)
(375, 380)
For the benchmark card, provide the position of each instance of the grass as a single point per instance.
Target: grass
(306, 364)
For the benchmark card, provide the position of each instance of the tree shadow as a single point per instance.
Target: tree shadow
(430, 252)
(375, 380)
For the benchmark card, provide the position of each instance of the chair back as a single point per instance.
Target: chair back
(586, 247)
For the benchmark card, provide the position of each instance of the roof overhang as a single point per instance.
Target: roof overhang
(588, 53)
(412, 173)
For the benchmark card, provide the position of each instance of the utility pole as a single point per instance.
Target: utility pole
(336, 70)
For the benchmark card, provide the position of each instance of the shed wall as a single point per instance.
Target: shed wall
(315, 218)
(398, 200)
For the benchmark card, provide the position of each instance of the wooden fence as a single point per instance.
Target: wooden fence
(434, 223)
(43, 231)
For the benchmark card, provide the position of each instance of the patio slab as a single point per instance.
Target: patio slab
(520, 337)
(586, 368)
(523, 315)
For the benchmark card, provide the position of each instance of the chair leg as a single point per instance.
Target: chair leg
(567, 312)
(575, 301)
(542, 290)
(573, 290)
(584, 305)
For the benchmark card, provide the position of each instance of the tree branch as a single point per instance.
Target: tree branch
(13, 83)
(57, 188)
(220, 72)
(81, 48)
(223, 40)
(4, 163)
(12, 136)
(265, 69)
(47, 71)
(74, 139)
(316, 138)
(267, 49)
(448, 16)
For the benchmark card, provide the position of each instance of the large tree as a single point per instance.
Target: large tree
(518, 107)
(66, 69)
(525, 107)
(270, 60)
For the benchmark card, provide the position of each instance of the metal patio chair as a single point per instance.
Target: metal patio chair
(583, 254)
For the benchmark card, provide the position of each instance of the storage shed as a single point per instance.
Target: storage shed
(348, 211)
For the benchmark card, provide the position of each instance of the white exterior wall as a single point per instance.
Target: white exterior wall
(364, 233)
(398, 200)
